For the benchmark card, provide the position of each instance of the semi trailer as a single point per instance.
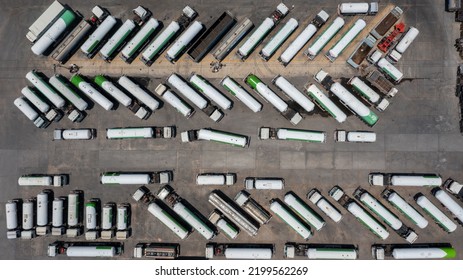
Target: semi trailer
(184, 41)
(283, 34)
(437, 215)
(260, 183)
(92, 219)
(132, 48)
(368, 94)
(45, 20)
(385, 66)
(88, 89)
(347, 99)
(232, 39)
(123, 223)
(290, 218)
(321, 251)
(346, 39)
(292, 134)
(13, 218)
(449, 203)
(62, 86)
(173, 100)
(302, 39)
(74, 134)
(224, 224)
(189, 214)
(279, 104)
(264, 28)
(416, 252)
(325, 104)
(199, 101)
(206, 88)
(408, 180)
(324, 38)
(359, 213)
(127, 178)
(240, 93)
(252, 207)
(72, 41)
(292, 92)
(157, 251)
(233, 212)
(139, 93)
(58, 216)
(170, 219)
(324, 205)
(212, 36)
(240, 251)
(166, 132)
(54, 33)
(386, 215)
(406, 40)
(121, 97)
(85, 249)
(304, 211)
(405, 208)
(92, 44)
(215, 136)
(74, 213)
(162, 41)
(354, 136)
(26, 108)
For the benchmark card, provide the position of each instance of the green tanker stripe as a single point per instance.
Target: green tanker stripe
(229, 90)
(361, 92)
(194, 216)
(371, 119)
(370, 228)
(305, 218)
(197, 87)
(436, 220)
(68, 17)
(403, 212)
(168, 216)
(143, 40)
(162, 44)
(389, 73)
(321, 35)
(119, 42)
(45, 84)
(253, 81)
(377, 213)
(322, 104)
(69, 88)
(315, 215)
(431, 176)
(281, 42)
(236, 145)
(305, 140)
(76, 80)
(345, 36)
(93, 46)
(179, 51)
(104, 247)
(90, 204)
(334, 249)
(286, 222)
(231, 228)
(257, 42)
(450, 252)
(99, 80)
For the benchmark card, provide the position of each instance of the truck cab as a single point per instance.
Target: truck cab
(267, 133)
(99, 14)
(141, 15)
(189, 136)
(143, 194)
(165, 132)
(376, 179)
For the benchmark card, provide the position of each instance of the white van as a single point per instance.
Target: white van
(264, 183)
(216, 179)
(74, 134)
(354, 136)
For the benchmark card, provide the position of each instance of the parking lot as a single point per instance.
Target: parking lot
(419, 132)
